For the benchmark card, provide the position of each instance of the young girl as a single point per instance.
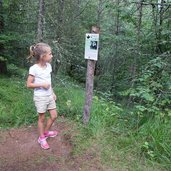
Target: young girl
(40, 80)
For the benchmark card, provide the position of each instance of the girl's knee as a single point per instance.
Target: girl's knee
(41, 118)
(53, 117)
(53, 114)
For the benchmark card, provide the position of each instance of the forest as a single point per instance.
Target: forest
(130, 118)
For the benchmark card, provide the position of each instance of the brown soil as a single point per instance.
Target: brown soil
(19, 151)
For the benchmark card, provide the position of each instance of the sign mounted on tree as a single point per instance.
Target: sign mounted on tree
(91, 46)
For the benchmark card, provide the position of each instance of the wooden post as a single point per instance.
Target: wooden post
(89, 83)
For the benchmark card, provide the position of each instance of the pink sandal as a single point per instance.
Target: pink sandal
(51, 134)
(43, 143)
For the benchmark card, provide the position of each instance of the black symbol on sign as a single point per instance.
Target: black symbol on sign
(93, 45)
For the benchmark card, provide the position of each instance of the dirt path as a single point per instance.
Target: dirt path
(19, 151)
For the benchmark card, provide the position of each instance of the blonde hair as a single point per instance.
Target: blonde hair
(37, 51)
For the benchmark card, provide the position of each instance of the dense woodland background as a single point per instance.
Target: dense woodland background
(133, 33)
(134, 65)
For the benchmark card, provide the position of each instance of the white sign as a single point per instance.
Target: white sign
(91, 46)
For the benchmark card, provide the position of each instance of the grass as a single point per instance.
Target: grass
(107, 135)
(16, 106)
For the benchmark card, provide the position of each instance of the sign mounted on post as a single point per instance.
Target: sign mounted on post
(91, 54)
(91, 46)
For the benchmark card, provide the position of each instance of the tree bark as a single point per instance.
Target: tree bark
(1, 25)
(3, 67)
(138, 49)
(1, 17)
(161, 13)
(40, 27)
(3, 64)
(57, 59)
(116, 45)
(139, 23)
(158, 18)
(98, 20)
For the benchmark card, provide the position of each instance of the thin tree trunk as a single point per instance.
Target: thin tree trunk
(116, 32)
(60, 20)
(168, 27)
(57, 59)
(158, 12)
(139, 23)
(1, 17)
(40, 27)
(98, 21)
(161, 13)
(3, 64)
(138, 49)
(155, 26)
(1, 24)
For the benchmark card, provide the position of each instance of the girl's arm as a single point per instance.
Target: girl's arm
(31, 84)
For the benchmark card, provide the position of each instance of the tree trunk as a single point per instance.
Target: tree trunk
(1, 17)
(57, 59)
(161, 13)
(40, 27)
(3, 67)
(138, 49)
(155, 25)
(116, 45)
(1, 25)
(158, 12)
(98, 20)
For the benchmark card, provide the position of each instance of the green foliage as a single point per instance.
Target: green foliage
(5, 39)
(127, 70)
(68, 102)
(156, 140)
(2, 58)
(104, 114)
(151, 94)
(120, 52)
(16, 71)
(108, 130)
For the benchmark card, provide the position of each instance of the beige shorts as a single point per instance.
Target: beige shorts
(44, 103)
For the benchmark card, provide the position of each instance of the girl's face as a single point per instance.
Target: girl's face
(48, 57)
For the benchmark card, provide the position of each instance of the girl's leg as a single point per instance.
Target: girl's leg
(41, 120)
(42, 139)
(50, 121)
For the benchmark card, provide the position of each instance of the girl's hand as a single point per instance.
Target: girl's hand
(46, 86)
(54, 96)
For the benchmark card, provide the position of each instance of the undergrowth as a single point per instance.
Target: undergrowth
(108, 134)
